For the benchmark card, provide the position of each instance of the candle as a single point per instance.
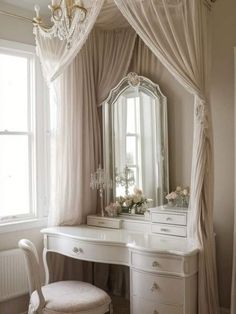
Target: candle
(37, 9)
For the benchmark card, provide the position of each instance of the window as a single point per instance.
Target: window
(23, 134)
(133, 145)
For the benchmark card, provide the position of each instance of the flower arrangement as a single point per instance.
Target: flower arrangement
(113, 209)
(179, 197)
(135, 203)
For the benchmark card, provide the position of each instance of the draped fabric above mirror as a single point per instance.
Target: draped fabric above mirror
(175, 31)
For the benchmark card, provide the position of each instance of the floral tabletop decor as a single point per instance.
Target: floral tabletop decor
(135, 203)
(179, 197)
(113, 209)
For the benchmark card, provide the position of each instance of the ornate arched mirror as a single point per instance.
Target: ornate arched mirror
(135, 139)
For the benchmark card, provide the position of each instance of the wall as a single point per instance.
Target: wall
(20, 31)
(222, 101)
(15, 29)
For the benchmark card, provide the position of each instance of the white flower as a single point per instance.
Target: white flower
(185, 192)
(171, 196)
(178, 189)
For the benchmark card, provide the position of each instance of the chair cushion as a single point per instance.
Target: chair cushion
(71, 296)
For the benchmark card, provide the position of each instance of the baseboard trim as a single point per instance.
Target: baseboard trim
(224, 310)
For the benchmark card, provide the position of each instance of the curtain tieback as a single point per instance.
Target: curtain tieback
(201, 111)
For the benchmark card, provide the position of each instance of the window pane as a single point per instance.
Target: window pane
(13, 93)
(131, 128)
(14, 175)
(131, 150)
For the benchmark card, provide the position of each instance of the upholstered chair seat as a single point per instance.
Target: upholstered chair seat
(62, 297)
(72, 297)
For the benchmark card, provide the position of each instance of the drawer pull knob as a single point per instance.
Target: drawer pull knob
(155, 312)
(164, 230)
(155, 264)
(168, 218)
(101, 222)
(77, 250)
(154, 287)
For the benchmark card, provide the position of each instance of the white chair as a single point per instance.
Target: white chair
(63, 297)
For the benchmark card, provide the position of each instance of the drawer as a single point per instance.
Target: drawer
(85, 250)
(169, 218)
(157, 263)
(180, 231)
(142, 306)
(161, 289)
(103, 222)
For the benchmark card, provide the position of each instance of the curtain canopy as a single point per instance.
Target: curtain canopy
(175, 31)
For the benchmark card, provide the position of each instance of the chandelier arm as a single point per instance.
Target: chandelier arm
(54, 15)
(76, 6)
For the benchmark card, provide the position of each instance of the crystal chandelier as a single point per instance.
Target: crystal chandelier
(65, 16)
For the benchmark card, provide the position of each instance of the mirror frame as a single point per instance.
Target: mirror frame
(145, 84)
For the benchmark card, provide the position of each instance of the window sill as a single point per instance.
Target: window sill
(23, 225)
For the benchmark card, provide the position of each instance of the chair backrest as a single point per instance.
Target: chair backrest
(33, 269)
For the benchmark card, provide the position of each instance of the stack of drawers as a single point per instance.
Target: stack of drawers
(163, 283)
(168, 221)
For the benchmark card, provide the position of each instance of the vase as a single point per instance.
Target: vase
(171, 203)
(125, 210)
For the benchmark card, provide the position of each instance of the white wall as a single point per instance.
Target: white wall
(222, 101)
(15, 29)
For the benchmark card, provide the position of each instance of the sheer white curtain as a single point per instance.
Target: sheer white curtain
(175, 32)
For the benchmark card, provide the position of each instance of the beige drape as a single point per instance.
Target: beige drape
(101, 64)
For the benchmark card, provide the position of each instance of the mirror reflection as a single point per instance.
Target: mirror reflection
(135, 141)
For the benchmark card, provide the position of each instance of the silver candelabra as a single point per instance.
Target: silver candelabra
(126, 179)
(100, 182)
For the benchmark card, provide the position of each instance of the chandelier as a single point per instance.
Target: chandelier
(65, 16)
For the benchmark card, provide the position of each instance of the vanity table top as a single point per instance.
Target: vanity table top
(143, 241)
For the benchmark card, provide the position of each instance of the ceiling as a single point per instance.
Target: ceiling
(28, 4)
(109, 18)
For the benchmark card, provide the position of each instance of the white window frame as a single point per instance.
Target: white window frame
(38, 145)
(135, 167)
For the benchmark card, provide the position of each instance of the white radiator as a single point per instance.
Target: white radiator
(13, 277)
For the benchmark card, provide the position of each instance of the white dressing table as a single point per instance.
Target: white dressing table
(163, 269)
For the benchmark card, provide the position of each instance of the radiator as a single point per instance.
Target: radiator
(13, 277)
